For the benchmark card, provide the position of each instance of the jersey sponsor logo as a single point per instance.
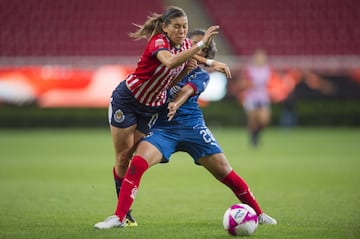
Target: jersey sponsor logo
(119, 116)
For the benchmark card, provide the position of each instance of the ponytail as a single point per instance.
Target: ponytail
(153, 25)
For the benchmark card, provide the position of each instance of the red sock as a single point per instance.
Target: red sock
(130, 185)
(241, 190)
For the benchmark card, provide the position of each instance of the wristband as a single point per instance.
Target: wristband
(200, 44)
(209, 62)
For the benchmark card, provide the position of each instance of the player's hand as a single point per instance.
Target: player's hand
(210, 33)
(172, 107)
(222, 67)
(192, 64)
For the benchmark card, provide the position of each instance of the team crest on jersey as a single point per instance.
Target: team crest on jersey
(119, 116)
(159, 42)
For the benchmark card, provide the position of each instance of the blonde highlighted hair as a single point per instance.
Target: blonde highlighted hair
(154, 22)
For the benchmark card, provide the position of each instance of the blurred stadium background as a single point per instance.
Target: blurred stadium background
(60, 59)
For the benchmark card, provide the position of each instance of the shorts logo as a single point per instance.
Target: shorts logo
(148, 135)
(119, 116)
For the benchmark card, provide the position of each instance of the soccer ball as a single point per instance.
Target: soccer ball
(240, 220)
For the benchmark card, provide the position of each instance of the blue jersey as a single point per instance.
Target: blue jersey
(187, 131)
(189, 114)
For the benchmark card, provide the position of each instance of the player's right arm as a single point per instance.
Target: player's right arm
(172, 60)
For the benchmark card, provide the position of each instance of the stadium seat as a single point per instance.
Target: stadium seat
(72, 28)
(282, 27)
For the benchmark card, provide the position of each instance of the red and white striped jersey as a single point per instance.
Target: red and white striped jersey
(259, 77)
(151, 78)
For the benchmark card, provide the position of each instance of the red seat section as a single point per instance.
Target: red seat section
(72, 27)
(289, 27)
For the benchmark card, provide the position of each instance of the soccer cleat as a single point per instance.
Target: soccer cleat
(110, 222)
(266, 219)
(130, 220)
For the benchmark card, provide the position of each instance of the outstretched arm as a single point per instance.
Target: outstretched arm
(173, 60)
(218, 66)
(181, 97)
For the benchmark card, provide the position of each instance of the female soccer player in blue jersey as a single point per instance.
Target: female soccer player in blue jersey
(182, 128)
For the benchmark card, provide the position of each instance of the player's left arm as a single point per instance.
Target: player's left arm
(217, 65)
(191, 65)
(181, 98)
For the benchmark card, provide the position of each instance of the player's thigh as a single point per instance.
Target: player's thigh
(138, 135)
(123, 138)
(252, 118)
(264, 115)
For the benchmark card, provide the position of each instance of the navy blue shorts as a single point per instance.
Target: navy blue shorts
(125, 111)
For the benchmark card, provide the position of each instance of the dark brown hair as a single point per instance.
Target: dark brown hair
(153, 25)
(211, 48)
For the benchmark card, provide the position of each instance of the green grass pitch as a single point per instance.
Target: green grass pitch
(58, 183)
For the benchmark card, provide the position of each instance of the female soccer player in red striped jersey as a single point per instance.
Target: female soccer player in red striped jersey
(143, 93)
(184, 131)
